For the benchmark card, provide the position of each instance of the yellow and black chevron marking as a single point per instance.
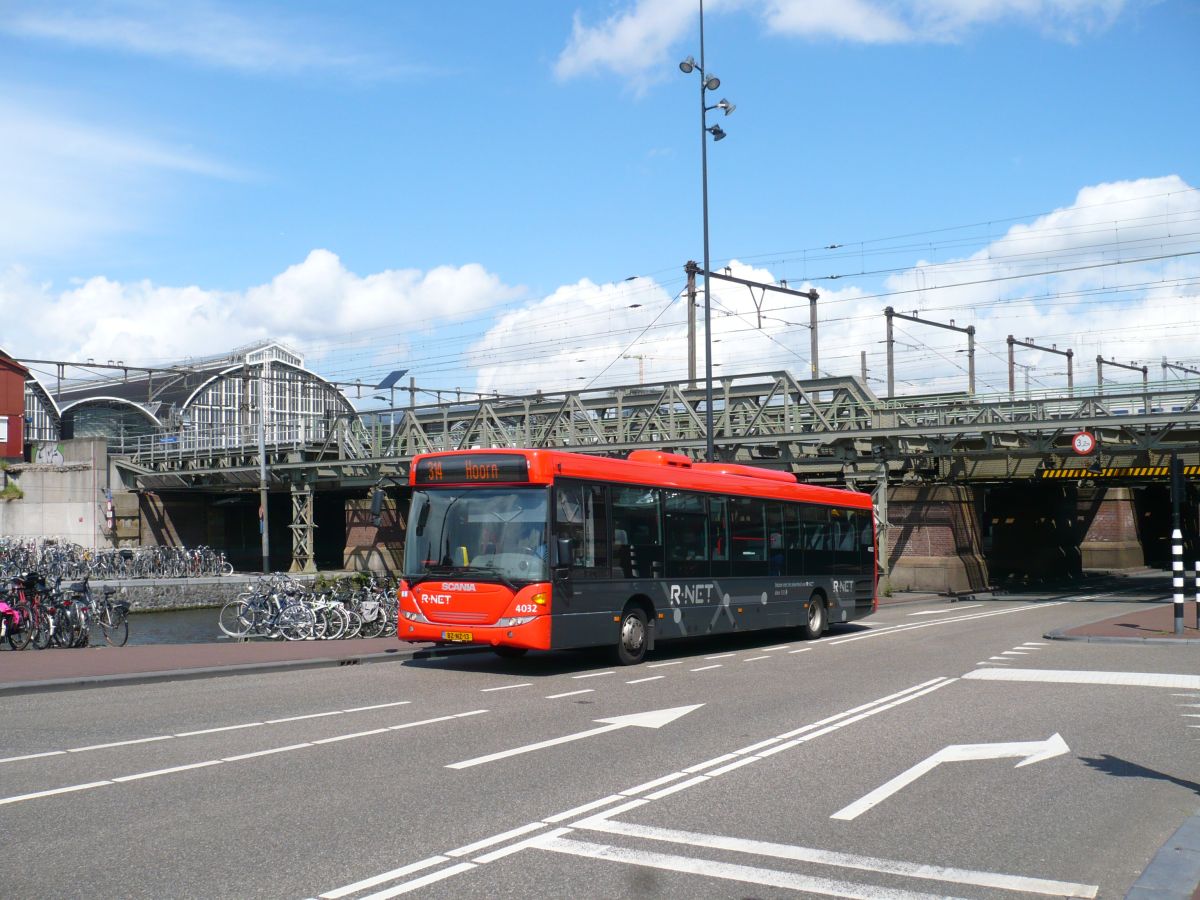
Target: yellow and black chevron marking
(1119, 472)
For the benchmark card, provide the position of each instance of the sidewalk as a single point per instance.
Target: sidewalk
(40, 670)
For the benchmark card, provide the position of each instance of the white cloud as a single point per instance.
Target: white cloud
(636, 43)
(318, 305)
(1087, 277)
(208, 33)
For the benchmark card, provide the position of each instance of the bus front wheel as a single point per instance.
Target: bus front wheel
(631, 641)
(815, 626)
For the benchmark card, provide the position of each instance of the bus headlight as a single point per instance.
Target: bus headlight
(414, 616)
(516, 620)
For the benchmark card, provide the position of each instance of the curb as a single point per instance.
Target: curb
(1061, 635)
(1175, 869)
(79, 682)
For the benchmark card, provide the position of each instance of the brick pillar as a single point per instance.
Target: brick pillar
(1111, 541)
(935, 541)
(371, 548)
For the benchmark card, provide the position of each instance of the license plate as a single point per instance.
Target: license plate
(457, 636)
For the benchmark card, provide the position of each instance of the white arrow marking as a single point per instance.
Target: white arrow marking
(1033, 751)
(655, 719)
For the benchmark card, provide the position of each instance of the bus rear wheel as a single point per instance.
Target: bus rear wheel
(817, 618)
(631, 641)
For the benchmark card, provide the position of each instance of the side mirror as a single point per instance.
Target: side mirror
(562, 547)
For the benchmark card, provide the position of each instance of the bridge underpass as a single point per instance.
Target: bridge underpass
(969, 489)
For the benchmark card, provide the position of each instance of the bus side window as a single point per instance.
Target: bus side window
(793, 540)
(718, 538)
(747, 529)
(581, 516)
(635, 511)
(818, 541)
(685, 525)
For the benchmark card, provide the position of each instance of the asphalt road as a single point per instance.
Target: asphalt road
(880, 761)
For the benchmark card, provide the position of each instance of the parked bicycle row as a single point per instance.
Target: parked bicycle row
(62, 559)
(279, 608)
(41, 613)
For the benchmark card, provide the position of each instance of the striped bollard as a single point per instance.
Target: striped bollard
(1198, 594)
(1177, 577)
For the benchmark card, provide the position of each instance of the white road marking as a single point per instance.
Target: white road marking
(470, 849)
(320, 715)
(771, 649)
(801, 650)
(421, 882)
(519, 846)
(843, 860)
(721, 656)
(709, 763)
(643, 680)
(161, 737)
(1014, 653)
(942, 612)
(674, 662)
(586, 807)
(381, 878)
(1000, 658)
(706, 668)
(594, 674)
(348, 737)
(1032, 751)
(915, 626)
(986, 662)
(755, 658)
(203, 731)
(33, 756)
(1034, 644)
(725, 871)
(377, 706)
(222, 728)
(269, 752)
(137, 776)
(1068, 676)
(653, 719)
(506, 687)
(834, 722)
(570, 693)
(54, 791)
(172, 770)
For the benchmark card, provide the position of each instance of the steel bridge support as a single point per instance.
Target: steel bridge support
(303, 529)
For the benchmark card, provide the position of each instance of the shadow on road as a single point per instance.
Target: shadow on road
(1123, 768)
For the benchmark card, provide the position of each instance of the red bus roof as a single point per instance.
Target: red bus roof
(647, 467)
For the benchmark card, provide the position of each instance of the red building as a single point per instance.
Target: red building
(12, 408)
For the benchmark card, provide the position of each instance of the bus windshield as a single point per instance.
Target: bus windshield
(479, 533)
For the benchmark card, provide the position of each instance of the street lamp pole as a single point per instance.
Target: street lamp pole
(708, 82)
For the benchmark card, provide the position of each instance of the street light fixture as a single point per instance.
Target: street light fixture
(708, 82)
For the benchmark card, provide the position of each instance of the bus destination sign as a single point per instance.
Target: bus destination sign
(477, 468)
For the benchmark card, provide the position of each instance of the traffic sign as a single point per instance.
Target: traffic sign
(1083, 443)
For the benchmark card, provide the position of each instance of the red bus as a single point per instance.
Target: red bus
(545, 550)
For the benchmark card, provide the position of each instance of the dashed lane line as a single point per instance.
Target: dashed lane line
(203, 731)
(570, 693)
(706, 668)
(506, 687)
(633, 797)
(138, 776)
(644, 680)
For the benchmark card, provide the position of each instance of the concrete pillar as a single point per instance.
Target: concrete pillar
(935, 539)
(1111, 540)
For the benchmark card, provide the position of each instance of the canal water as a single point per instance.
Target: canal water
(178, 626)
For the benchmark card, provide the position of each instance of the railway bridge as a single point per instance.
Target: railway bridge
(970, 490)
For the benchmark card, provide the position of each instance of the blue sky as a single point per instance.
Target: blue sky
(462, 189)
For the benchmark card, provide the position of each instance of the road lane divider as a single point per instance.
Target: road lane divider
(914, 626)
(217, 730)
(533, 833)
(138, 776)
(1072, 676)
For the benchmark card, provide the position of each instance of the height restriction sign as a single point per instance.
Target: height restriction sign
(1083, 443)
